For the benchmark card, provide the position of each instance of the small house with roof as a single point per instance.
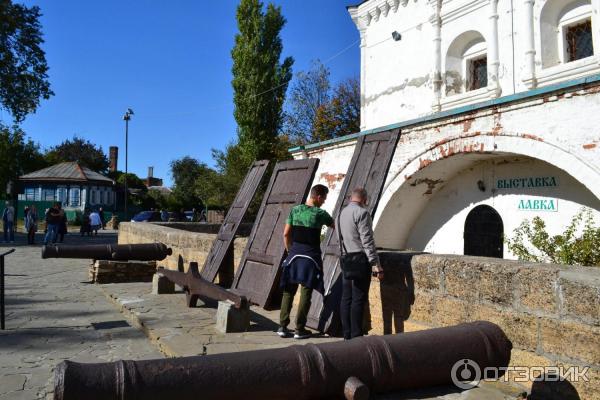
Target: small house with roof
(75, 186)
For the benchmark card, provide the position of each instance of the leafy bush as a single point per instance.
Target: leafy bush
(577, 245)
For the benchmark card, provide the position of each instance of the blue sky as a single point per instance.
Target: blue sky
(170, 62)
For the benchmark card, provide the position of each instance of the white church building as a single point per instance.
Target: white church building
(498, 103)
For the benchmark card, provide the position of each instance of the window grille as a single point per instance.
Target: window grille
(30, 194)
(477, 73)
(61, 195)
(48, 195)
(579, 42)
(74, 200)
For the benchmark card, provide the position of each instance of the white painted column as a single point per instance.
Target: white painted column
(493, 52)
(596, 26)
(436, 22)
(528, 30)
(363, 78)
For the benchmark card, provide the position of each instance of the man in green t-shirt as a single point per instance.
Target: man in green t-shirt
(303, 266)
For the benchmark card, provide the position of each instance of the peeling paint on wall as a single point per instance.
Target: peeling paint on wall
(532, 137)
(414, 82)
(332, 179)
(431, 184)
(454, 82)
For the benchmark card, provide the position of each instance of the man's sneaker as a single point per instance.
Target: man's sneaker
(284, 332)
(302, 334)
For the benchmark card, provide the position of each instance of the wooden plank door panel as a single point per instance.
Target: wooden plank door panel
(222, 248)
(368, 169)
(258, 274)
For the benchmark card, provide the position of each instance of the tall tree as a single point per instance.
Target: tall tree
(260, 80)
(341, 115)
(310, 90)
(18, 156)
(83, 151)
(185, 172)
(23, 67)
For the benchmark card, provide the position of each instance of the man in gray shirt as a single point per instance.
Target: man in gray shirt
(356, 231)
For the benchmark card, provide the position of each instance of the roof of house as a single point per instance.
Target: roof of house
(67, 172)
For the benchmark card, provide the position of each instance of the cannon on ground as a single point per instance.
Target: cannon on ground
(354, 368)
(113, 252)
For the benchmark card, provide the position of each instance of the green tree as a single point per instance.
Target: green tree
(80, 150)
(18, 156)
(260, 80)
(23, 67)
(186, 172)
(341, 115)
(309, 92)
(577, 245)
(133, 181)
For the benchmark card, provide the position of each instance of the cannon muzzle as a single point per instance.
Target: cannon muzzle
(121, 252)
(377, 363)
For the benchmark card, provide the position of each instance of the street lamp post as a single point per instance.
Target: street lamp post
(126, 118)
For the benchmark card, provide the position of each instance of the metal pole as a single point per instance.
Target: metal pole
(2, 316)
(126, 151)
(2, 292)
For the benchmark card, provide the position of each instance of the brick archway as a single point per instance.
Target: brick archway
(401, 207)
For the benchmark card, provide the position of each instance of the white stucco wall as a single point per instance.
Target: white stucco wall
(446, 211)
(397, 77)
(431, 184)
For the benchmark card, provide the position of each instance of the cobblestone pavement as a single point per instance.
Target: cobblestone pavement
(54, 315)
(181, 331)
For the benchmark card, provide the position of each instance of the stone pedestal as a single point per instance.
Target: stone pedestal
(231, 319)
(108, 271)
(161, 285)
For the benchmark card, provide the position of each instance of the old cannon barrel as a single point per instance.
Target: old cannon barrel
(382, 363)
(121, 252)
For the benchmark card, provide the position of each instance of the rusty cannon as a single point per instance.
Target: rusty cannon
(354, 369)
(114, 252)
(196, 287)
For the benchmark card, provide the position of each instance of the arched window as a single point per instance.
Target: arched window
(466, 64)
(566, 32)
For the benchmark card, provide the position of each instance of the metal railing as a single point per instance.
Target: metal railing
(2, 326)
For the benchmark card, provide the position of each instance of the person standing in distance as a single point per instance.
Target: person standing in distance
(8, 222)
(303, 266)
(53, 220)
(356, 237)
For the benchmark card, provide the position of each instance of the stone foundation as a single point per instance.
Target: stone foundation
(103, 271)
(187, 246)
(551, 313)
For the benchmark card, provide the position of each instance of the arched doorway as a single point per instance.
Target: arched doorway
(484, 231)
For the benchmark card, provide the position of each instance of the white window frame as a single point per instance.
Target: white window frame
(572, 18)
(567, 70)
(29, 194)
(467, 97)
(62, 199)
(475, 52)
(75, 200)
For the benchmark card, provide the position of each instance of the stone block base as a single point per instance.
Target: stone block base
(103, 271)
(162, 285)
(231, 319)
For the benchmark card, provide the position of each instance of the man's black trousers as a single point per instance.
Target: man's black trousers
(355, 294)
